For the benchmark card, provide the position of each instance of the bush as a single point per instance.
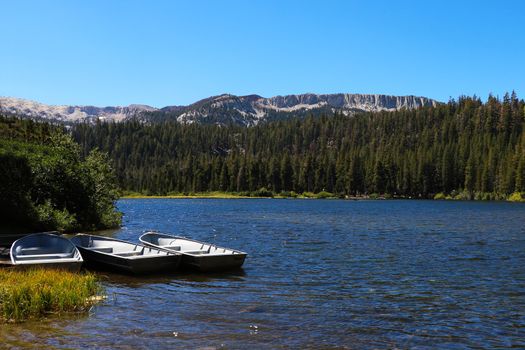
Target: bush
(517, 197)
(324, 195)
(463, 196)
(440, 196)
(288, 194)
(263, 192)
(55, 219)
(53, 188)
(308, 195)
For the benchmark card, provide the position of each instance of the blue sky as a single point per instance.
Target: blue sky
(176, 52)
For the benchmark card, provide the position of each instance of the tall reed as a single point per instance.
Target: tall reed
(36, 293)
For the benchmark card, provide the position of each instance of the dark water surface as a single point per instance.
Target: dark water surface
(320, 274)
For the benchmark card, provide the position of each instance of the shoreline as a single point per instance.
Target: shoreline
(227, 195)
(510, 199)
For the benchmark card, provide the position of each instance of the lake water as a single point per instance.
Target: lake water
(320, 274)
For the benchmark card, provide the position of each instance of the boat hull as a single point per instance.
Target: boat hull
(63, 266)
(142, 265)
(196, 255)
(122, 256)
(212, 263)
(45, 250)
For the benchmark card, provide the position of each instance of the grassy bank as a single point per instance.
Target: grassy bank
(226, 195)
(263, 193)
(35, 293)
(481, 196)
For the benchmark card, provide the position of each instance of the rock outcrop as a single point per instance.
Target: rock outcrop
(223, 109)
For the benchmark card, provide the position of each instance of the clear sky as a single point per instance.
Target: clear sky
(177, 52)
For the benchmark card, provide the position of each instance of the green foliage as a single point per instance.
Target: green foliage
(49, 186)
(15, 185)
(517, 197)
(464, 196)
(102, 184)
(440, 196)
(324, 194)
(308, 195)
(262, 192)
(288, 194)
(51, 218)
(37, 292)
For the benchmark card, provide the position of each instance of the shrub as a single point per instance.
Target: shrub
(324, 195)
(263, 192)
(517, 197)
(53, 188)
(440, 196)
(55, 219)
(463, 196)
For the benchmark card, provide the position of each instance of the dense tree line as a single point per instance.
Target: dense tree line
(47, 185)
(462, 146)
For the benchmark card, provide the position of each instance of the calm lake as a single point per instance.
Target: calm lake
(319, 274)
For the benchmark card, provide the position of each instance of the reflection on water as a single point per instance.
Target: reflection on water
(132, 281)
(320, 274)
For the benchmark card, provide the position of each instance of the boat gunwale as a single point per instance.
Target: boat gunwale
(76, 258)
(131, 258)
(235, 252)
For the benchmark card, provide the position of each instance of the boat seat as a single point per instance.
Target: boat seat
(170, 247)
(130, 253)
(45, 256)
(102, 249)
(196, 252)
(35, 250)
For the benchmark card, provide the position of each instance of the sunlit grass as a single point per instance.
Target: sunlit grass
(36, 293)
(213, 194)
(262, 193)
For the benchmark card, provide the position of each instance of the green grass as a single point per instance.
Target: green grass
(35, 293)
(215, 194)
(261, 193)
(480, 196)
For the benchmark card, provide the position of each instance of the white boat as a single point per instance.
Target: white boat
(195, 254)
(114, 254)
(45, 250)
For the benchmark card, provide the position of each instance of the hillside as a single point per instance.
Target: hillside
(464, 146)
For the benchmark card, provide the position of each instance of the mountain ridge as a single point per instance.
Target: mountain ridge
(245, 110)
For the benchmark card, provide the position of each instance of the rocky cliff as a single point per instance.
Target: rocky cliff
(222, 109)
